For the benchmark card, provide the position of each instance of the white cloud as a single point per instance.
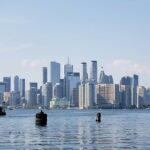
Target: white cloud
(127, 67)
(34, 63)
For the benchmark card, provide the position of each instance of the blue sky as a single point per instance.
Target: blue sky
(115, 33)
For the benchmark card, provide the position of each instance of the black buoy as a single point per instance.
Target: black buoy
(2, 111)
(98, 117)
(41, 118)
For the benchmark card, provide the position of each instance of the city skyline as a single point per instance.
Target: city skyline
(116, 34)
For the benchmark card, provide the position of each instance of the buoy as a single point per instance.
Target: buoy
(98, 117)
(41, 118)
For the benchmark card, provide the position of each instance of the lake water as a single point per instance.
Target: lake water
(76, 129)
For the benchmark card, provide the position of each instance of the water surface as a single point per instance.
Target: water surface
(76, 129)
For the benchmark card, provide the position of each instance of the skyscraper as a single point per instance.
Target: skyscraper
(16, 83)
(93, 71)
(105, 79)
(44, 75)
(90, 94)
(54, 72)
(7, 81)
(68, 68)
(135, 83)
(46, 94)
(22, 87)
(84, 75)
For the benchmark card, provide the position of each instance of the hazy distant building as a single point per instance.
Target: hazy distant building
(75, 96)
(46, 94)
(34, 85)
(7, 81)
(141, 93)
(135, 83)
(58, 91)
(68, 68)
(93, 71)
(31, 97)
(84, 75)
(126, 81)
(125, 96)
(22, 87)
(108, 95)
(2, 90)
(44, 69)
(71, 81)
(14, 98)
(105, 79)
(54, 73)
(16, 84)
(82, 97)
(90, 94)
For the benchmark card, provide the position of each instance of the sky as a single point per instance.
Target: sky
(115, 33)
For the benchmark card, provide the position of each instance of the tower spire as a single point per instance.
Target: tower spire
(68, 60)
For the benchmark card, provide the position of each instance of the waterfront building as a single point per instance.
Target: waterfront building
(31, 97)
(59, 103)
(82, 100)
(141, 93)
(54, 73)
(75, 96)
(90, 95)
(71, 81)
(7, 81)
(16, 83)
(2, 90)
(44, 69)
(58, 91)
(22, 87)
(14, 98)
(46, 94)
(135, 83)
(6, 97)
(108, 95)
(125, 96)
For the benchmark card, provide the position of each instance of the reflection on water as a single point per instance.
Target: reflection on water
(68, 129)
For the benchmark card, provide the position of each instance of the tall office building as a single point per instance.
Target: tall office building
(125, 91)
(90, 94)
(108, 95)
(68, 68)
(7, 81)
(141, 95)
(58, 91)
(46, 94)
(135, 83)
(34, 85)
(16, 84)
(2, 90)
(82, 97)
(72, 80)
(93, 71)
(31, 97)
(84, 75)
(105, 79)
(126, 81)
(22, 87)
(125, 96)
(44, 75)
(54, 73)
